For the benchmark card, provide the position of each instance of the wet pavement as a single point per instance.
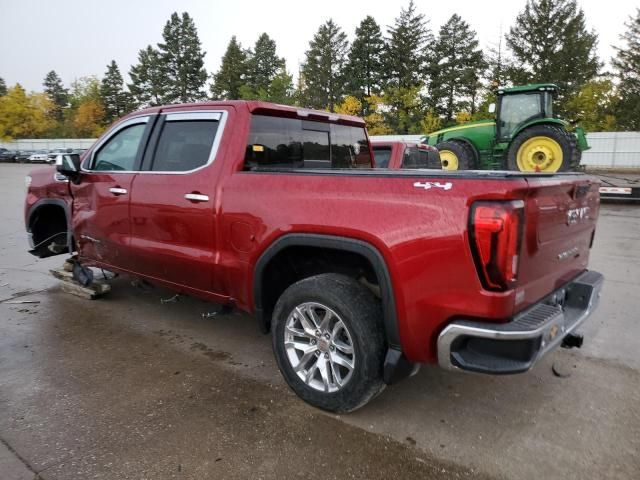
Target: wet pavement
(129, 387)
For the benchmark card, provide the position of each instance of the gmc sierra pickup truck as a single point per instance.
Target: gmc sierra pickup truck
(395, 154)
(360, 274)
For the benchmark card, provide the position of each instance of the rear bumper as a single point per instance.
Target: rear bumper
(516, 346)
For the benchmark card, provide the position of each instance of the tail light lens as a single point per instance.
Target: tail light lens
(495, 230)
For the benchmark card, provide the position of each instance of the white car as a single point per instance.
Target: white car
(41, 156)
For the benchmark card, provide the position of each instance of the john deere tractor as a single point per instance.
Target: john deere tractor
(524, 137)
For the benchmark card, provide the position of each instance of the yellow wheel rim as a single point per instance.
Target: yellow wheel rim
(539, 154)
(449, 160)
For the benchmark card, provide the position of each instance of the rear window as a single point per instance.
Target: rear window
(276, 142)
(415, 157)
(382, 156)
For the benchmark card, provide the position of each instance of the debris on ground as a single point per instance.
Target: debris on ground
(20, 302)
(91, 291)
(173, 299)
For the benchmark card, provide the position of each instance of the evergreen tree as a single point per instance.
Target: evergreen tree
(407, 48)
(232, 75)
(457, 68)
(550, 43)
(148, 81)
(114, 99)
(323, 69)
(627, 65)
(263, 65)
(3, 87)
(182, 58)
(55, 90)
(364, 67)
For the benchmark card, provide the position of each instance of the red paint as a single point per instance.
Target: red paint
(210, 249)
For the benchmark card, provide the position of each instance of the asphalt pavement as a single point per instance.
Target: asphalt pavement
(130, 387)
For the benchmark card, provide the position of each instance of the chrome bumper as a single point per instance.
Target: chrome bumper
(516, 346)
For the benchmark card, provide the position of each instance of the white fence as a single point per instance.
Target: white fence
(608, 149)
(48, 143)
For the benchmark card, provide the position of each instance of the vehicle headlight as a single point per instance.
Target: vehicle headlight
(27, 181)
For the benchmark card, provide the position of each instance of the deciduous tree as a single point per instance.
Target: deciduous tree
(594, 106)
(25, 115)
(323, 69)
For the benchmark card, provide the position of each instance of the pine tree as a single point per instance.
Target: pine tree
(364, 67)
(114, 99)
(457, 68)
(3, 87)
(182, 58)
(55, 90)
(148, 81)
(323, 69)
(263, 65)
(550, 43)
(232, 75)
(407, 48)
(627, 65)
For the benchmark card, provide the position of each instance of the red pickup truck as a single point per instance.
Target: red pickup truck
(360, 274)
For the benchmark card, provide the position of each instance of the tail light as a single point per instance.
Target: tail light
(495, 230)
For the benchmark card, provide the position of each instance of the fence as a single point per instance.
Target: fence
(48, 143)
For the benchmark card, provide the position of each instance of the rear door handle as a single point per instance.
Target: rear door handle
(196, 197)
(118, 190)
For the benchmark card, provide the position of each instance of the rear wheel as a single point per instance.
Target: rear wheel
(543, 148)
(328, 342)
(456, 155)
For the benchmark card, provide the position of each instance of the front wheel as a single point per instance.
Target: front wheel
(328, 342)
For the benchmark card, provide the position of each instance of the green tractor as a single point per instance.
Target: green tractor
(524, 137)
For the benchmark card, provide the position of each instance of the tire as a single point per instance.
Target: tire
(456, 155)
(360, 313)
(544, 148)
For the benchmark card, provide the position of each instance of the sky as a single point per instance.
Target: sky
(80, 37)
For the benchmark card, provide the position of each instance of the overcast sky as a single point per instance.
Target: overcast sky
(79, 37)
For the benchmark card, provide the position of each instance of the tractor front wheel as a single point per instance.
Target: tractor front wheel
(456, 155)
(542, 148)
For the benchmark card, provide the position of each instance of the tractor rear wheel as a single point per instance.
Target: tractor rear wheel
(543, 148)
(456, 155)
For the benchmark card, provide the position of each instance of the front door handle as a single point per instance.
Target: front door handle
(118, 190)
(196, 197)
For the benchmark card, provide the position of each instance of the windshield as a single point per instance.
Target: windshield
(516, 109)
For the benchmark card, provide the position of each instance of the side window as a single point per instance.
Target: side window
(184, 145)
(415, 158)
(277, 142)
(120, 151)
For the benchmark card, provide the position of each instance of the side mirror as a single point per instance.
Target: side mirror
(69, 166)
(492, 108)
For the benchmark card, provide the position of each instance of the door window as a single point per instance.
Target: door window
(184, 145)
(119, 153)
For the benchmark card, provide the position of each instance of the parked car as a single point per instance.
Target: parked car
(359, 274)
(7, 155)
(396, 154)
(23, 155)
(39, 156)
(55, 152)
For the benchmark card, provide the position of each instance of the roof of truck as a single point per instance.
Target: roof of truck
(265, 108)
(528, 88)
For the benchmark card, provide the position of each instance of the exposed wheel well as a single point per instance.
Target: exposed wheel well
(49, 229)
(295, 263)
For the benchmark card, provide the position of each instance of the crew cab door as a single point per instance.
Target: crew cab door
(101, 199)
(173, 214)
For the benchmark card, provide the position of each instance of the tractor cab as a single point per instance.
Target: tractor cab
(518, 106)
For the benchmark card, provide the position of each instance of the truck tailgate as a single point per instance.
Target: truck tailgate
(561, 214)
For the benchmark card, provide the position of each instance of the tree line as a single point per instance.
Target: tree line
(403, 79)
